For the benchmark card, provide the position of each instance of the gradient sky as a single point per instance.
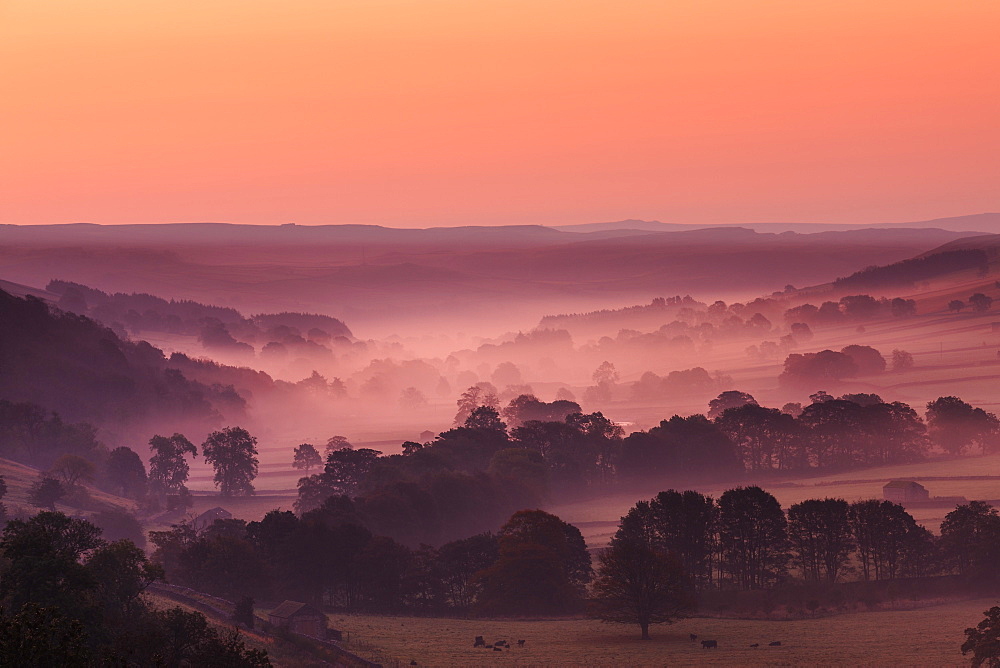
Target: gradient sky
(443, 112)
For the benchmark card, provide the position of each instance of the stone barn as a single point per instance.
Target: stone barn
(207, 518)
(299, 618)
(901, 491)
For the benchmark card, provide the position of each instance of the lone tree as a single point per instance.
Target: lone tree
(125, 473)
(638, 582)
(306, 457)
(45, 491)
(980, 302)
(984, 640)
(168, 470)
(233, 453)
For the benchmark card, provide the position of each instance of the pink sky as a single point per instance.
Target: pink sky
(450, 112)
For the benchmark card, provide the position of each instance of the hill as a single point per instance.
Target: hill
(440, 278)
(72, 365)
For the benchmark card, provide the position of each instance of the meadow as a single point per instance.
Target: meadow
(923, 637)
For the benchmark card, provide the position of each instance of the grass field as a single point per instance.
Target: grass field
(924, 637)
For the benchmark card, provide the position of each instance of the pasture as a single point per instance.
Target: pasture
(923, 637)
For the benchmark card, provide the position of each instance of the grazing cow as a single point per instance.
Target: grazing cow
(694, 636)
(479, 642)
(501, 643)
(413, 662)
(520, 643)
(709, 644)
(776, 643)
(488, 646)
(756, 644)
(498, 648)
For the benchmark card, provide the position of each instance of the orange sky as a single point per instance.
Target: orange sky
(443, 112)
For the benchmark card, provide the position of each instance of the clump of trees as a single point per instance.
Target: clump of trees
(73, 598)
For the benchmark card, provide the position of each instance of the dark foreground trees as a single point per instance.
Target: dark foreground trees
(639, 582)
(68, 598)
(543, 568)
(984, 640)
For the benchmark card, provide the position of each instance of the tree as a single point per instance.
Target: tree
(125, 473)
(480, 394)
(882, 531)
(243, 612)
(955, 425)
(543, 567)
(73, 469)
(637, 581)
(765, 438)
(168, 469)
(306, 457)
(984, 640)
(45, 492)
(726, 400)
(752, 537)
(956, 305)
(980, 303)
(38, 636)
(335, 443)
(868, 360)
(902, 308)
(970, 538)
(901, 360)
(412, 399)
(485, 417)
(819, 532)
(233, 453)
(121, 572)
(811, 368)
(43, 563)
(346, 470)
(685, 525)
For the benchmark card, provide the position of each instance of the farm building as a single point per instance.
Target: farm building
(207, 518)
(299, 618)
(901, 491)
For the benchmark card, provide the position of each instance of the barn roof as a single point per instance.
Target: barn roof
(290, 609)
(903, 484)
(217, 513)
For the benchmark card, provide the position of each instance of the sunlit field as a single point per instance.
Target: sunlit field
(924, 637)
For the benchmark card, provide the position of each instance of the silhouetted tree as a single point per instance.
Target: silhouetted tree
(901, 360)
(243, 613)
(335, 443)
(726, 400)
(882, 531)
(233, 454)
(45, 492)
(980, 302)
(691, 445)
(812, 368)
(983, 641)
(125, 473)
(73, 469)
(956, 305)
(460, 560)
(168, 469)
(765, 438)
(306, 457)
(752, 537)
(42, 636)
(821, 539)
(902, 308)
(485, 417)
(970, 538)
(542, 568)
(121, 573)
(686, 525)
(637, 581)
(43, 563)
(868, 360)
(480, 394)
(955, 425)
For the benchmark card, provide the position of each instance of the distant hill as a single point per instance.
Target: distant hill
(385, 280)
(980, 222)
(84, 372)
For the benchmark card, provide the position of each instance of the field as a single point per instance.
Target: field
(923, 637)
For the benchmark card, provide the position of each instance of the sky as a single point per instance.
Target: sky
(491, 112)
